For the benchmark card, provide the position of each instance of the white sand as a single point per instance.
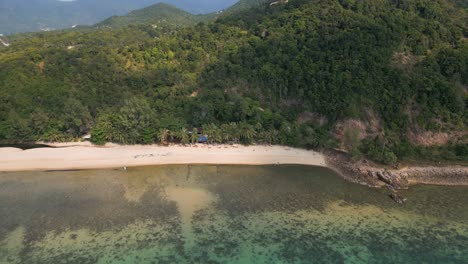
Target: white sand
(73, 156)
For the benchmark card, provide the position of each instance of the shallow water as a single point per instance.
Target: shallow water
(224, 214)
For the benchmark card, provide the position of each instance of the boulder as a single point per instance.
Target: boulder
(397, 198)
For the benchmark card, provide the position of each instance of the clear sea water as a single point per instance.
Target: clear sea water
(224, 214)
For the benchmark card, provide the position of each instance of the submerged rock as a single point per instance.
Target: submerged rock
(397, 198)
(395, 180)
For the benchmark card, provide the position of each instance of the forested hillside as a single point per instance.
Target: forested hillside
(169, 16)
(36, 15)
(385, 79)
(158, 14)
(462, 3)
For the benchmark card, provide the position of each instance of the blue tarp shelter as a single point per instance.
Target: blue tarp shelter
(202, 139)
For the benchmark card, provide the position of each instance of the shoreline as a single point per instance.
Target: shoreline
(367, 173)
(85, 156)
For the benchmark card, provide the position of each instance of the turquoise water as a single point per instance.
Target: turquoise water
(224, 214)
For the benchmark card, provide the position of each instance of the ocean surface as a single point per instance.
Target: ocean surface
(224, 214)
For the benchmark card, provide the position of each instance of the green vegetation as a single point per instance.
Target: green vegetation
(36, 15)
(461, 3)
(158, 14)
(165, 15)
(285, 74)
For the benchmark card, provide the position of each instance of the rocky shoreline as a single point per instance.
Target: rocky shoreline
(370, 174)
(84, 155)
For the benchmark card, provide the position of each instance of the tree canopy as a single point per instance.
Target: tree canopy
(283, 74)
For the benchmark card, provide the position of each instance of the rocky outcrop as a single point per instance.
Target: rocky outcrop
(397, 198)
(348, 169)
(367, 173)
(396, 180)
(453, 175)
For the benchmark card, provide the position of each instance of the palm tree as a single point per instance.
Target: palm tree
(234, 132)
(105, 124)
(274, 134)
(147, 136)
(176, 135)
(108, 129)
(225, 133)
(217, 136)
(183, 136)
(163, 135)
(246, 132)
(263, 137)
(258, 127)
(53, 136)
(267, 136)
(118, 137)
(194, 136)
(210, 131)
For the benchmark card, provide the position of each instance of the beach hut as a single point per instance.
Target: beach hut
(202, 139)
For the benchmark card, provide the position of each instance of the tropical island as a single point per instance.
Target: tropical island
(247, 135)
(381, 83)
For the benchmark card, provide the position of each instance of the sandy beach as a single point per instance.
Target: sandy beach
(84, 155)
(77, 156)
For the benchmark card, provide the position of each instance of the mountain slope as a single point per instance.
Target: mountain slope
(155, 14)
(201, 6)
(169, 15)
(382, 79)
(246, 4)
(37, 15)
